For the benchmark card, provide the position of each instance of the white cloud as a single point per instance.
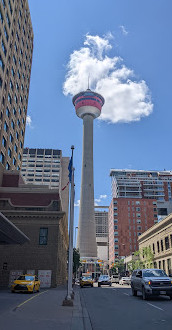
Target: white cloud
(28, 120)
(96, 201)
(123, 29)
(103, 196)
(77, 203)
(126, 99)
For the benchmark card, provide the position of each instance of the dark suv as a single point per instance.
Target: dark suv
(151, 282)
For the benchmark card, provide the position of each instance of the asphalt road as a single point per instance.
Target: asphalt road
(114, 308)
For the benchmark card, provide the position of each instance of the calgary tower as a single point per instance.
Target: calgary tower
(88, 106)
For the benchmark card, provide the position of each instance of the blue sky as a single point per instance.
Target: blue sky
(136, 36)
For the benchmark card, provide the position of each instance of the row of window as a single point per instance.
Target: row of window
(163, 244)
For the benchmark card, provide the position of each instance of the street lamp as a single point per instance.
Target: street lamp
(124, 259)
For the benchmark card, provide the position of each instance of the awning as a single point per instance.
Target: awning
(9, 233)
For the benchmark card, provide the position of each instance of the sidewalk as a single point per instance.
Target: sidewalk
(44, 311)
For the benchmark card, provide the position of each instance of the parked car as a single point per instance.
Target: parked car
(104, 280)
(125, 280)
(86, 280)
(151, 282)
(26, 283)
(115, 279)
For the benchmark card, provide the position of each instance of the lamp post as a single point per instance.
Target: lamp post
(68, 301)
(124, 259)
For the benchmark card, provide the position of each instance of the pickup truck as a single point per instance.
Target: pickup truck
(151, 282)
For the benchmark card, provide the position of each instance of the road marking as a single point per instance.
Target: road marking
(156, 307)
(29, 300)
(126, 294)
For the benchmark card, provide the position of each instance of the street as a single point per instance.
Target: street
(114, 308)
(104, 308)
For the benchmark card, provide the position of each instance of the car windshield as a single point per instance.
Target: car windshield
(104, 277)
(26, 278)
(87, 278)
(154, 273)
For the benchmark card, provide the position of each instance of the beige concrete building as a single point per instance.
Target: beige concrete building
(16, 48)
(102, 233)
(159, 239)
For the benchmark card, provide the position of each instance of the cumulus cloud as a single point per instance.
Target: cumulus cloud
(96, 201)
(126, 98)
(28, 120)
(99, 200)
(123, 29)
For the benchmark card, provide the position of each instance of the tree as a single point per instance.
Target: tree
(144, 259)
(76, 260)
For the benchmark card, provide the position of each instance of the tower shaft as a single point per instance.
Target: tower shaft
(86, 232)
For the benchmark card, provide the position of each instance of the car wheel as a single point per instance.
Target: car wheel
(92, 285)
(99, 285)
(12, 291)
(134, 292)
(170, 297)
(38, 289)
(144, 295)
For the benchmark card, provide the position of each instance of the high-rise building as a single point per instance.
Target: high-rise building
(47, 167)
(102, 232)
(128, 219)
(144, 184)
(140, 199)
(16, 48)
(88, 107)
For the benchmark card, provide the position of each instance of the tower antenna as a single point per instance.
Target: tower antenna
(88, 81)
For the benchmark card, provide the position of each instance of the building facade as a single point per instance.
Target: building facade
(37, 212)
(47, 167)
(144, 184)
(159, 239)
(102, 232)
(128, 219)
(16, 48)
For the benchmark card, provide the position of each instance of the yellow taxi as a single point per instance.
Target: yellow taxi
(26, 283)
(86, 280)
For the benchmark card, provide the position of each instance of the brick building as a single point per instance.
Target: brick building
(128, 219)
(37, 212)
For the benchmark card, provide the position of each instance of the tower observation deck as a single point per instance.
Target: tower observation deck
(88, 106)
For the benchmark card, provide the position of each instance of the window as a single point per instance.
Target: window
(11, 85)
(115, 233)
(162, 246)
(3, 47)
(116, 227)
(6, 34)
(5, 127)
(11, 138)
(43, 236)
(153, 247)
(8, 20)
(158, 247)
(3, 142)
(15, 148)
(171, 240)
(1, 17)
(137, 203)
(167, 245)
(1, 63)
(14, 161)
(12, 124)
(7, 166)
(7, 112)
(9, 152)
(12, 72)
(2, 158)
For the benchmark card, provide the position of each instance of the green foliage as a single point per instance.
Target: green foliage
(144, 260)
(76, 260)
